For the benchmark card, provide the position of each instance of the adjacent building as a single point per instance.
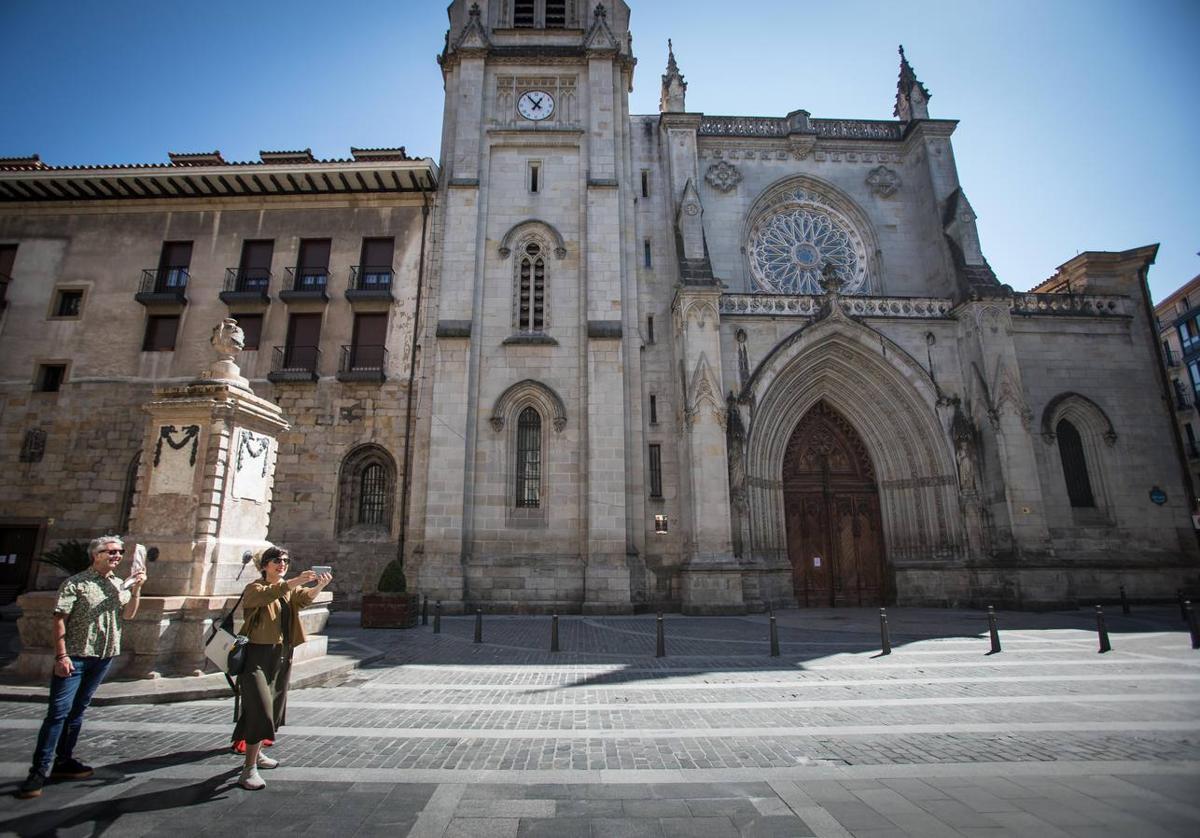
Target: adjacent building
(1178, 319)
(114, 279)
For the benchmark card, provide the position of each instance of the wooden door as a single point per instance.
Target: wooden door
(304, 336)
(831, 512)
(16, 560)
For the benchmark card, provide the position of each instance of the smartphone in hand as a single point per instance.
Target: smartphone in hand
(321, 569)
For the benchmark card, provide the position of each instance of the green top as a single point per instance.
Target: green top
(92, 605)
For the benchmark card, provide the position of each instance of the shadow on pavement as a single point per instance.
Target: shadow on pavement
(103, 814)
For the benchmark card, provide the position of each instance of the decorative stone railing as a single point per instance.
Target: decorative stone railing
(1090, 305)
(772, 126)
(807, 306)
(857, 129)
(744, 126)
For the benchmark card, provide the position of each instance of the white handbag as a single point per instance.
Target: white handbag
(225, 649)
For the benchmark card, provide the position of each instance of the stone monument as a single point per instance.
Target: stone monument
(204, 501)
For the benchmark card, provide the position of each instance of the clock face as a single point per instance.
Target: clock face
(536, 105)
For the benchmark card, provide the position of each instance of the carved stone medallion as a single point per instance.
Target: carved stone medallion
(883, 181)
(723, 176)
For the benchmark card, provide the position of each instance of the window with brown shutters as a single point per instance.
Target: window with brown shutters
(1074, 463)
(160, 333)
(529, 459)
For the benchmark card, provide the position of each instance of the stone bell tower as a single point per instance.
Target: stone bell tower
(530, 348)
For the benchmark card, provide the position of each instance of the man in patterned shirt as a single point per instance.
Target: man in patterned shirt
(87, 636)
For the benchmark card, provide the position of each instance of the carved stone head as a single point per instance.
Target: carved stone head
(228, 339)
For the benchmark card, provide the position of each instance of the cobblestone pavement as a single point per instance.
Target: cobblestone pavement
(445, 737)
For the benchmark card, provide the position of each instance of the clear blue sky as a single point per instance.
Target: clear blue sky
(1079, 121)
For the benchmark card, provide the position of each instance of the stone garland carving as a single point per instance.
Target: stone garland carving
(191, 434)
(252, 446)
(1098, 305)
(33, 447)
(883, 181)
(723, 176)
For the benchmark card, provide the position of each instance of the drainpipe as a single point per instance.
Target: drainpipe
(406, 472)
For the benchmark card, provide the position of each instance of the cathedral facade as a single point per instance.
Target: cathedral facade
(730, 362)
(599, 362)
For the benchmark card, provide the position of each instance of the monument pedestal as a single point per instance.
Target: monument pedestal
(204, 501)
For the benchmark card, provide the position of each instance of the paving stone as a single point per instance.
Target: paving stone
(555, 828)
(857, 815)
(698, 828)
(774, 826)
(626, 828)
(666, 808)
(482, 828)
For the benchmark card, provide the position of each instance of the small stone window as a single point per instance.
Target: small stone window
(50, 377)
(529, 460)
(68, 304)
(655, 470)
(366, 488)
(660, 524)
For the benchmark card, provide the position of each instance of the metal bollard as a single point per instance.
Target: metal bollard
(1183, 604)
(425, 611)
(1102, 630)
(661, 650)
(993, 631)
(774, 638)
(1193, 623)
(1124, 602)
(554, 633)
(437, 617)
(884, 635)
(478, 625)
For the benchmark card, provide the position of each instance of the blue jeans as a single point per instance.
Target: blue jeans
(69, 697)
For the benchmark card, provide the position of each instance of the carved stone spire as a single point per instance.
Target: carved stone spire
(674, 88)
(912, 98)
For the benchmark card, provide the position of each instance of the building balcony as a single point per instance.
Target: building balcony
(294, 363)
(363, 363)
(306, 284)
(370, 284)
(246, 285)
(163, 287)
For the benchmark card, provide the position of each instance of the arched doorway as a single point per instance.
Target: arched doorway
(831, 508)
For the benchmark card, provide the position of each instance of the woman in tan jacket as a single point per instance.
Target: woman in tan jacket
(272, 607)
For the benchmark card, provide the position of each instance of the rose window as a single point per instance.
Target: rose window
(791, 248)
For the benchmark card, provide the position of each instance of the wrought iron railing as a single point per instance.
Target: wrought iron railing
(247, 280)
(308, 279)
(163, 280)
(299, 361)
(371, 277)
(359, 358)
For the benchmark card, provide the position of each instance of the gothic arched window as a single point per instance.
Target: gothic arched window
(1074, 463)
(372, 495)
(529, 459)
(365, 490)
(531, 290)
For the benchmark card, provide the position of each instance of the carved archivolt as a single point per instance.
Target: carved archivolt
(1080, 411)
(889, 400)
(533, 225)
(523, 394)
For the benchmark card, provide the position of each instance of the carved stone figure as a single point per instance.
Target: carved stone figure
(228, 340)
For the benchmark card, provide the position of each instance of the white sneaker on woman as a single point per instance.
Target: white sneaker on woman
(265, 761)
(250, 779)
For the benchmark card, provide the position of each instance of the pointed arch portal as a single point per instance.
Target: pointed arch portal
(831, 513)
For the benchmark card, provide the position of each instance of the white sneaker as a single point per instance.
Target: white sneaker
(250, 779)
(265, 761)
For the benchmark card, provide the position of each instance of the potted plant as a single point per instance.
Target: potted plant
(391, 606)
(70, 556)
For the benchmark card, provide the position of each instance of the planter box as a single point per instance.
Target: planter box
(390, 610)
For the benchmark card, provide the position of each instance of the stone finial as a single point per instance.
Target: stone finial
(228, 340)
(674, 88)
(912, 97)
